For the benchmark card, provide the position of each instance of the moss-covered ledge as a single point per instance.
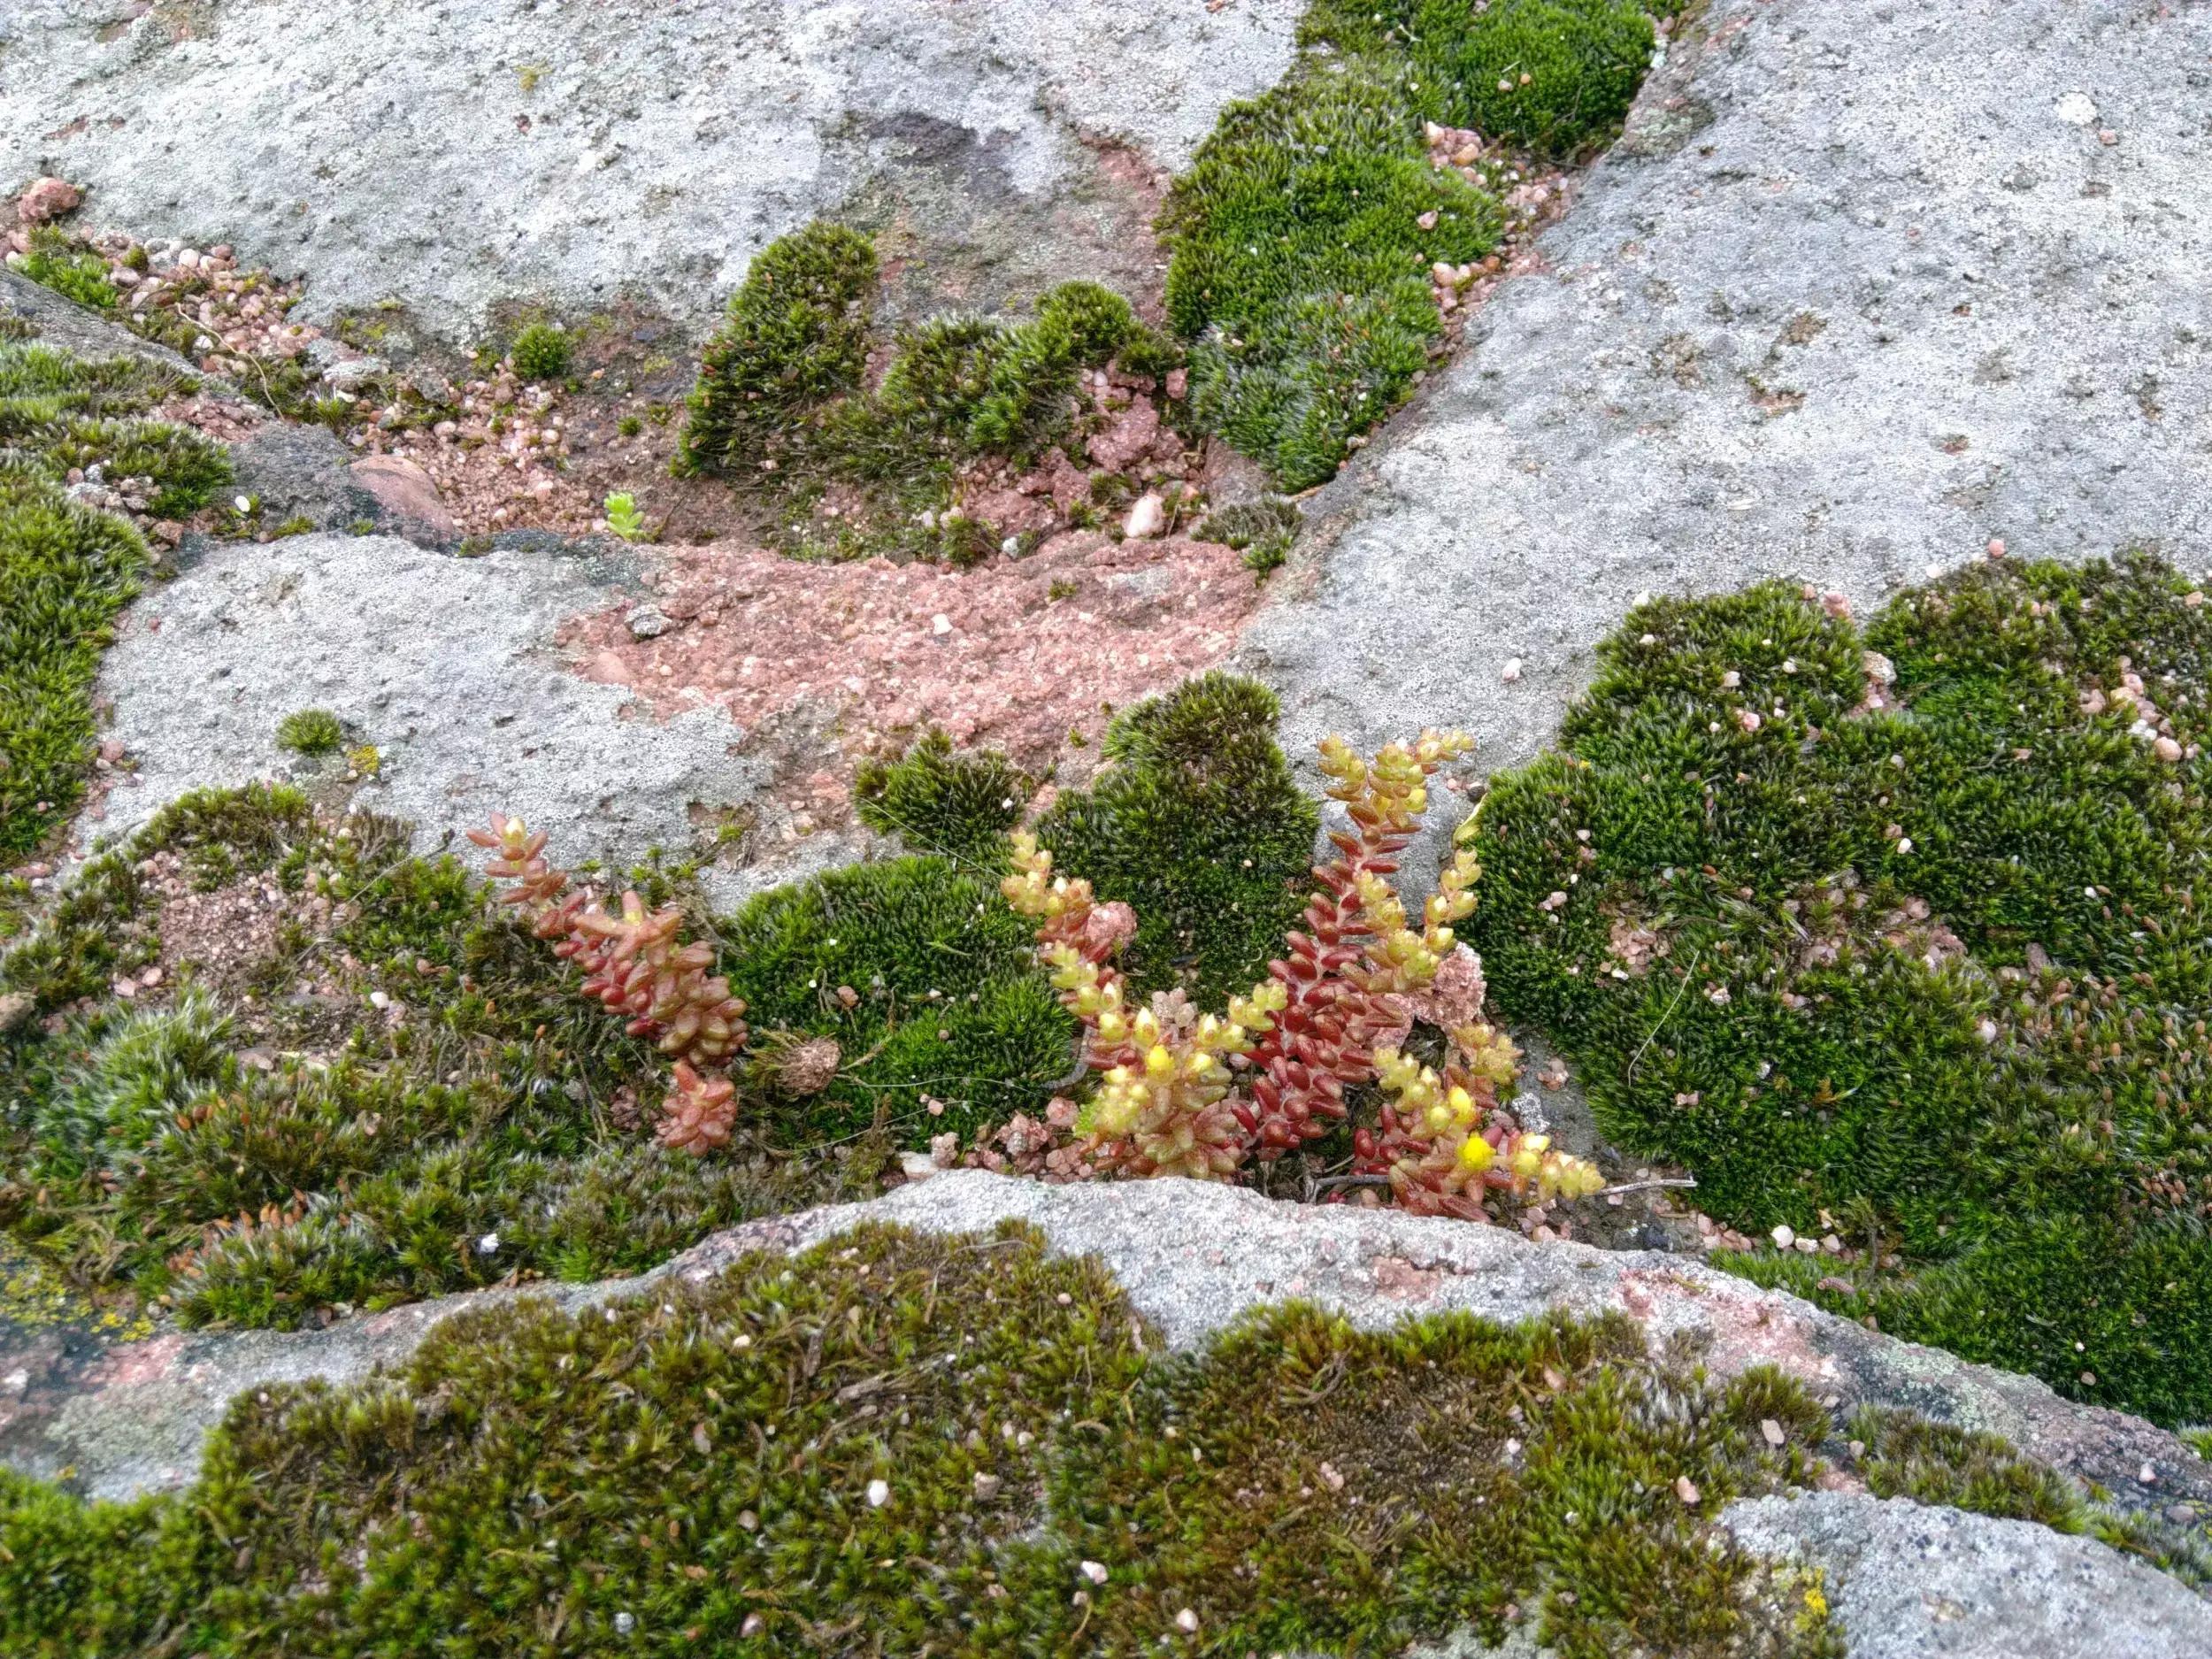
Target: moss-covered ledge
(1192, 1258)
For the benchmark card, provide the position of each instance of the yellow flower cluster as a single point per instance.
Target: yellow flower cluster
(1444, 1152)
(1486, 1053)
(1159, 1108)
(1399, 958)
(1448, 1115)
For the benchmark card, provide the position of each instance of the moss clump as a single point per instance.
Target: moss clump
(1553, 76)
(311, 732)
(780, 408)
(65, 572)
(1200, 827)
(795, 339)
(1937, 968)
(541, 352)
(483, 1123)
(957, 804)
(905, 1444)
(927, 983)
(1301, 261)
(57, 261)
(1263, 530)
(1299, 268)
(184, 469)
(66, 569)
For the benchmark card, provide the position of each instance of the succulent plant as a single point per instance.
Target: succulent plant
(635, 961)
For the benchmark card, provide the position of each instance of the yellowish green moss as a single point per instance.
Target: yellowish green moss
(900, 1444)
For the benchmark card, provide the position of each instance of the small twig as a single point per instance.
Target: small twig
(1347, 1181)
(1645, 1187)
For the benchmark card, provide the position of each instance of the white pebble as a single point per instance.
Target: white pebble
(1512, 672)
(1784, 1236)
(879, 1493)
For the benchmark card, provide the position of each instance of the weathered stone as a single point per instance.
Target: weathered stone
(447, 665)
(1849, 300)
(409, 499)
(1905, 1580)
(578, 153)
(1192, 1257)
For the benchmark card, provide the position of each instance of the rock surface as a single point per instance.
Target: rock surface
(573, 152)
(1192, 1257)
(1905, 1580)
(68, 326)
(444, 665)
(1860, 290)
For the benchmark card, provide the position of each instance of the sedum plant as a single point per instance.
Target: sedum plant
(636, 964)
(624, 518)
(1183, 1093)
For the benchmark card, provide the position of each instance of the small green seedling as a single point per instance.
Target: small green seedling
(624, 518)
(311, 732)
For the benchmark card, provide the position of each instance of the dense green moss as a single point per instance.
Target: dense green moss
(541, 352)
(1303, 236)
(1553, 76)
(780, 407)
(311, 732)
(1200, 827)
(898, 1444)
(55, 260)
(795, 339)
(1263, 530)
(927, 983)
(65, 572)
(262, 1151)
(1299, 268)
(960, 805)
(66, 569)
(1901, 1455)
(1935, 970)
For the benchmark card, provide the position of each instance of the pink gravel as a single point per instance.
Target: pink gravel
(1017, 654)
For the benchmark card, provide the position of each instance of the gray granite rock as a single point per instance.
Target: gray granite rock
(577, 152)
(1192, 1256)
(1905, 1580)
(449, 666)
(1864, 287)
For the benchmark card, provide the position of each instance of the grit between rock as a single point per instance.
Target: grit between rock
(1865, 286)
(571, 152)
